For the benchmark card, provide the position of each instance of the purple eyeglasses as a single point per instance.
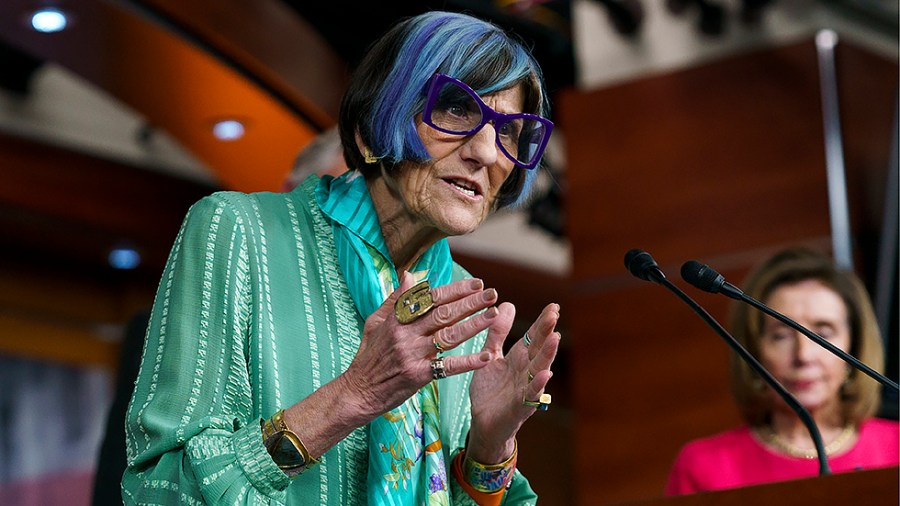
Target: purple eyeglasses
(454, 108)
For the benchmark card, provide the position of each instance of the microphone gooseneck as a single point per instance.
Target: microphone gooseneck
(707, 279)
(742, 352)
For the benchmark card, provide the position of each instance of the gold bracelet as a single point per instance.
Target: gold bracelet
(490, 478)
(285, 447)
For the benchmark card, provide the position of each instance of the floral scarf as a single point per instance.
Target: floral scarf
(406, 461)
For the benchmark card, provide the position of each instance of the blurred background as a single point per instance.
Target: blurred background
(694, 129)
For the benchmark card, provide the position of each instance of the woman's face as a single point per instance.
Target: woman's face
(811, 373)
(456, 190)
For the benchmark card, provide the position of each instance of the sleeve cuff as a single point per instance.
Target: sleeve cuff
(256, 462)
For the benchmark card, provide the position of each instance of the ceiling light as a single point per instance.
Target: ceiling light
(228, 130)
(124, 258)
(49, 20)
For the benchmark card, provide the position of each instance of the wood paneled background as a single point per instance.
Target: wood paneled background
(723, 163)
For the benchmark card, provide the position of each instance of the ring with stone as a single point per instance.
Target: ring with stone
(542, 404)
(414, 303)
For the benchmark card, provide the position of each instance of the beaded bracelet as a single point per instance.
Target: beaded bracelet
(489, 478)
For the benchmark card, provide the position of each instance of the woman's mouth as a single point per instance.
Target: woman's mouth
(802, 384)
(467, 188)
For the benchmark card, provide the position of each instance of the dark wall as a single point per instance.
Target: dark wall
(722, 163)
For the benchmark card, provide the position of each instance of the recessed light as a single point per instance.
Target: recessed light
(49, 20)
(228, 130)
(124, 258)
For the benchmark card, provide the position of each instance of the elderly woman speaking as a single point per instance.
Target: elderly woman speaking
(321, 346)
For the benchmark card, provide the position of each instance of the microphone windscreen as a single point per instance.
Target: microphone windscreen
(640, 263)
(702, 276)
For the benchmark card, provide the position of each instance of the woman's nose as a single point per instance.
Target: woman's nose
(805, 349)
(481, 147)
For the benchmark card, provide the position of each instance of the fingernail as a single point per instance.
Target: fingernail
(489, 295)
(491, 313)
(485, 357)
(476, 284)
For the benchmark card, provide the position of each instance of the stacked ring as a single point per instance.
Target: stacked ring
(437, 369)
(530, 376)
(543, 404)
(437, 345)
(526, 339)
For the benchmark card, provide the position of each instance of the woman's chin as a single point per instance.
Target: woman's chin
(457, 230)
(816, 402)
(459, 222)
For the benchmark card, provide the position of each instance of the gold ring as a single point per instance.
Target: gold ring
(543, 404)
(530, 377)
(437, 345)
(526, 340)
(414, 303)
(437, 369)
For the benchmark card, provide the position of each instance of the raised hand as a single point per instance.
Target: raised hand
(498, 389)
(394, 360)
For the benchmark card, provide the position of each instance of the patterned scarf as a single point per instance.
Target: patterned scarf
(406, 462)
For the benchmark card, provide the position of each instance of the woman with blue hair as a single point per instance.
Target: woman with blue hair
(321, 346)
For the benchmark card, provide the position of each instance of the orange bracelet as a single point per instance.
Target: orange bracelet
(481, 498)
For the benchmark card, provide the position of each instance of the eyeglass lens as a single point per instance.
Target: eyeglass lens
(456, 111)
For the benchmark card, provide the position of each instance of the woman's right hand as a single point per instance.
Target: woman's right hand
(394, 359)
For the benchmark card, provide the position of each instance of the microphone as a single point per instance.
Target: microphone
(643, 266)
(707, 279)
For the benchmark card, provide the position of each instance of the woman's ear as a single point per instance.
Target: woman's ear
(367, 154)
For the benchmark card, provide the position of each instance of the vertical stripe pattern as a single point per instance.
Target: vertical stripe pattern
(252, 315)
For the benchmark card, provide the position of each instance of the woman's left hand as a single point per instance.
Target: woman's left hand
(498, 390)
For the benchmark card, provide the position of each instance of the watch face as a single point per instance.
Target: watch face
(285, 453)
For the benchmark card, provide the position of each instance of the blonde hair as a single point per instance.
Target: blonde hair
(859, 394)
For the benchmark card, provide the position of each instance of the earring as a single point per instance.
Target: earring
(368, 157)
(757, 384)
(846, 389)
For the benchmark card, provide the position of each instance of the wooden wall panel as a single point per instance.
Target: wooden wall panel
(723, 163)
(60, 214)
(680, 161)
(69, 207)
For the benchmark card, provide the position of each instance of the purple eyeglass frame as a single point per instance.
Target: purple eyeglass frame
(488, 115)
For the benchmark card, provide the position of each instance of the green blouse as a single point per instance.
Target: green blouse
(252, 315)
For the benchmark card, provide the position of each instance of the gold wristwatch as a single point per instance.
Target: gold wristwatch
(286, 449)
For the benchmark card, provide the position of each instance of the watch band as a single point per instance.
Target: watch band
(285, 447)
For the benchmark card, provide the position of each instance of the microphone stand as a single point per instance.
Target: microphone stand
(754, 364)
(642, 266)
